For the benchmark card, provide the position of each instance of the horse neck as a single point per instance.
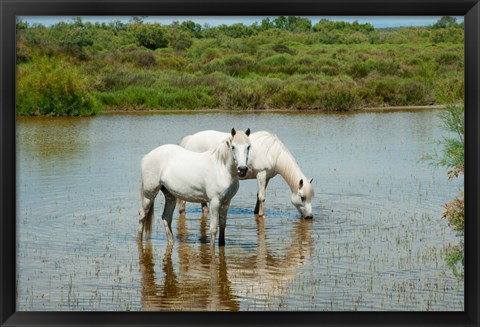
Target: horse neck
(288, 168)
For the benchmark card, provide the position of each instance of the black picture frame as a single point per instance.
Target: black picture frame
(9, 9)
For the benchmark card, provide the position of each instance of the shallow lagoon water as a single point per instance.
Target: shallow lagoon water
(376, 242)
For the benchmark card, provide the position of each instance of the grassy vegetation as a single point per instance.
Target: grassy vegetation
(80, 68)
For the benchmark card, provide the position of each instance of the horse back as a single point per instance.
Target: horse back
(204, 140)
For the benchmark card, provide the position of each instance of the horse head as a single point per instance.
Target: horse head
(302, 198)
(239, 143)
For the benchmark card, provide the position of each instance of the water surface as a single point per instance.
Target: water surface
(376, 242)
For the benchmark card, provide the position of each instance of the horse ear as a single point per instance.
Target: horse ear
(234, 132)
(300, 184)
(228, 142)
(248, 132)
(311, 180)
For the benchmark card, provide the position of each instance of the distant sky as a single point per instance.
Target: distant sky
(376, 21)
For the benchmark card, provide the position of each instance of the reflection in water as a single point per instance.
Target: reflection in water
(209, 281)
(53, 138)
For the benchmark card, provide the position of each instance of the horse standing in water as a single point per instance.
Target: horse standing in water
(211, 176)
(268, 157)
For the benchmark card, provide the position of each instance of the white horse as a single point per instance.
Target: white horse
(211, 176)
(268, 157)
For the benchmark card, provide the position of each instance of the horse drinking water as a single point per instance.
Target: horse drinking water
(210, 176)
(268, 157)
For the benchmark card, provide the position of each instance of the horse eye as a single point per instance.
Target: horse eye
(233, 148)
(302, 198)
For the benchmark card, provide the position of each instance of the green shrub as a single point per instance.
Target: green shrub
(210, 54)
(361, 69)
(216, 65)
(289, 97)
(242, 96)
(119, 79)
(337, 98)
(453, 35)
(417, 93)
(275, 64)
(282, 48)
(176, 63)
(389, 66)
(449, 58)
(22, 51)
(138, 97)
(237, 65)
(450, 89)
(179, 40)
(139, 57)
(53, 87)
(150, 36)
(393, 91)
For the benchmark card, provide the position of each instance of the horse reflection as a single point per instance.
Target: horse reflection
(203, 281)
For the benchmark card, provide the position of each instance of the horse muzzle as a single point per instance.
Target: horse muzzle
(242, 171)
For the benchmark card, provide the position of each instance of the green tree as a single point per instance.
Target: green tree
(192, 27)
(237, 30)
(179, 38)
(293, 24)
(150, 36)
(266, 24)
(445, 22)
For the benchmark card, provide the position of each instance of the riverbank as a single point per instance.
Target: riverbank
(133, 111)
(259, 111)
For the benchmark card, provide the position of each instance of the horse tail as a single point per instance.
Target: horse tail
(149, 214)
(142, 198)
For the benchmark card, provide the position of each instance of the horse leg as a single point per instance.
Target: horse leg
(223, 222)
(181, 206)
(168, 209)
(214, 212)
(204, 209)
(262, 182)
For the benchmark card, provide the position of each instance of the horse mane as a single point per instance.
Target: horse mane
(185, 140)
(284, 161)
(221, 151)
